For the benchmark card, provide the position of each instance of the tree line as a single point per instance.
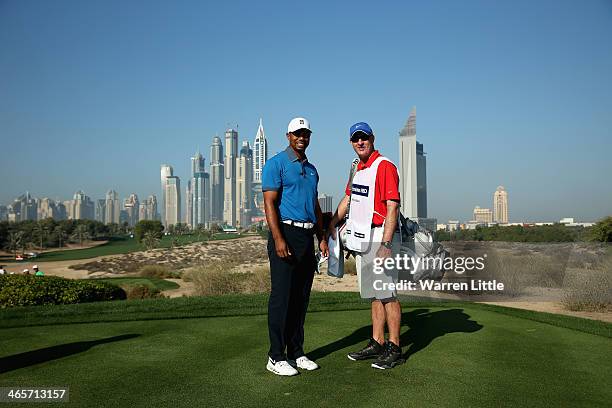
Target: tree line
(601, 232)
(49, 233)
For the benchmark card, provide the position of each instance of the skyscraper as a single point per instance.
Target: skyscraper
(100, 210)
(199, 188)
(173, 201)
(152, 208)
(188, 204)
(112, 209)
(131, 206)
(500, 205)
(46, 209)
(413, 178)
(148, 209)
(217, 179)
(413, 175)
(260, 156)
(326, 204)
(231, 154)
(260, 150)
(166, 171)
(244, 187)
(82, 206)
(142, 211)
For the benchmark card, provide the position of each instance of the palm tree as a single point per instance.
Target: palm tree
(41, 231)
(81, 233)
(150, 240)
(15, 241)
(61, 234)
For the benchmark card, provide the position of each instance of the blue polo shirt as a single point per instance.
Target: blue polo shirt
(296, 183)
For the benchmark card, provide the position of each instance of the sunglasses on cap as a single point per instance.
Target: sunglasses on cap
(302, 133)
(357, 136)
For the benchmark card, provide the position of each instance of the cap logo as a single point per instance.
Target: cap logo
(301, 121)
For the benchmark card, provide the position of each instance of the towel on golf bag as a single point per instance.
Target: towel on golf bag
(335, 262)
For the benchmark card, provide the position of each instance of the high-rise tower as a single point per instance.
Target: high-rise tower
(173, 201)
(260, 152)
(217, 180)
(413, 175)
(166, 171)
(231, 154)
(413, 168)
(500, 205)
(111, 208)
(244, 187)
(199, 189)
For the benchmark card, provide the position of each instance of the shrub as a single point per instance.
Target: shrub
(217, 278)
(157, 271)
(602, 231)
(141, 292)
(350, 267)
(24, 290)
(590, 289)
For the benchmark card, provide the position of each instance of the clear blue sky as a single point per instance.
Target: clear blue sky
(96, 95)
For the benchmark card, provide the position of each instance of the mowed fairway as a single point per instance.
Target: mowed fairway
(458, 355)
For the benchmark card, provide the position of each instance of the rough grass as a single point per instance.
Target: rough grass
(219, 278)
(153, 283)
(157, 271)
(590, 289)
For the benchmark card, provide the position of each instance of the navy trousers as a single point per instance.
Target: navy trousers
(291, 283)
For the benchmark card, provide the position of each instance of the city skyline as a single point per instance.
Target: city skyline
(508, 93)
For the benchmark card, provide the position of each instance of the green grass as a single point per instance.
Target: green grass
(153, 283)
(173, 352)
(118, 246)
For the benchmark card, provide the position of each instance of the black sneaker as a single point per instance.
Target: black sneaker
(391, 357)
(372, 350)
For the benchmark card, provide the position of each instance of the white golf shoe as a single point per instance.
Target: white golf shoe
(306, 364)
(281, 368)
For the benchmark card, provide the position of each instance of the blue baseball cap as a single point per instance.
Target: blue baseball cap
(361, 127)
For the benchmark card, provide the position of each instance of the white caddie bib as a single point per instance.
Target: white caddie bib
(361, 209)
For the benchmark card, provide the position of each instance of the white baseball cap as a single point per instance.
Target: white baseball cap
(35, 267)
(297, 124)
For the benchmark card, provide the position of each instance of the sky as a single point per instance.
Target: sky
(97, 95)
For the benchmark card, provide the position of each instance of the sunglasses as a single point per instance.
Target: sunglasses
(302, 133)
(360, 136)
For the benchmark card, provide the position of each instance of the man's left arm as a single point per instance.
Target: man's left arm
(391, 220)
(389, 187)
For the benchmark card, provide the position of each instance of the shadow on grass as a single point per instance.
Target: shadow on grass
(424, 327)
(43, 355)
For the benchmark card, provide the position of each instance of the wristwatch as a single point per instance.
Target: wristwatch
(387, 244)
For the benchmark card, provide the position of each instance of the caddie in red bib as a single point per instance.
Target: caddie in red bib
(371, 210)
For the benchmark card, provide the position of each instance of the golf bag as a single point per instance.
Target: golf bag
(427, 255)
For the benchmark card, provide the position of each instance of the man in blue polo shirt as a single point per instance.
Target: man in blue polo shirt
(293, 214)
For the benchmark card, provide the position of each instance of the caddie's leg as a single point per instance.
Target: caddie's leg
(393, 311)
(378, 321)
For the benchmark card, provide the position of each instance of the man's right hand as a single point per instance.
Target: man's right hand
(282, 249)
